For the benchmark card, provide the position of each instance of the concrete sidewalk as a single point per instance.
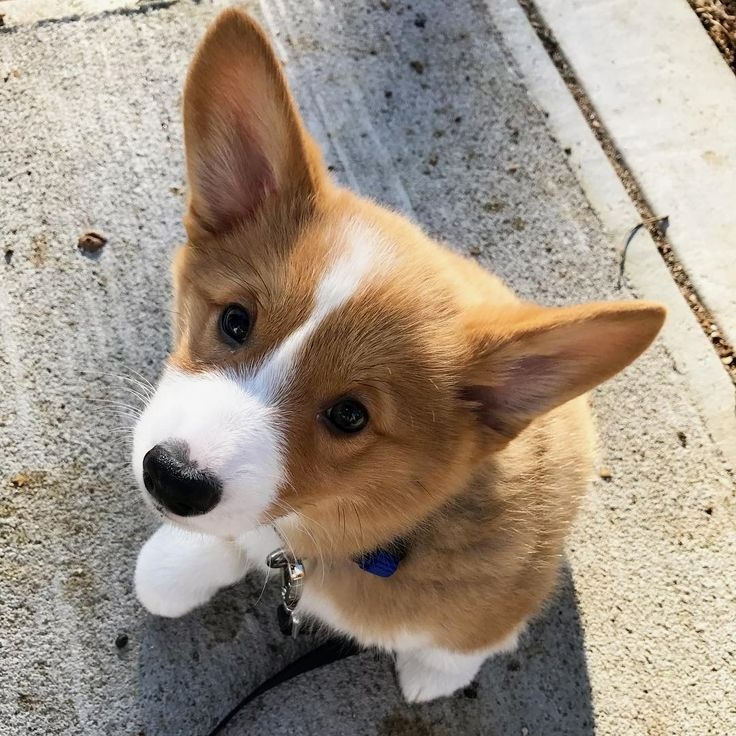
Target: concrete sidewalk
(423, 109)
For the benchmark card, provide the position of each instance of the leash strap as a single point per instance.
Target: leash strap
(333, 650)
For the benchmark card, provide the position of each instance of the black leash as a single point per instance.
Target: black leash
(333, 650)
(382, 562)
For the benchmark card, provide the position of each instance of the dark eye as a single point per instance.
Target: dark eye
(348, 415)
(235, 323)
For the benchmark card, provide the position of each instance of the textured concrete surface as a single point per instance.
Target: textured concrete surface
(668, 100)
(641, 637)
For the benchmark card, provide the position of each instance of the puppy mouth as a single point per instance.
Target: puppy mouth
(160, 510)
(167, 513)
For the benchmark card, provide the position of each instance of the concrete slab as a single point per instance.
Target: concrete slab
(92, 140)
(668, 100)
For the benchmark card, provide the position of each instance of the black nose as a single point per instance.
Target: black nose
(174, 481)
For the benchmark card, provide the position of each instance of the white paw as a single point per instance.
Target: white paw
(178, 570)
(420, 682)
(432, 672)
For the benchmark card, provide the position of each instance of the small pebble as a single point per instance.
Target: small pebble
(121, 641)
(91, 242)
(471, 691)
(417, 66)
(605, 473)
(20, 480)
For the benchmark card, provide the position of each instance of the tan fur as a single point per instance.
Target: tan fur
(480, 441)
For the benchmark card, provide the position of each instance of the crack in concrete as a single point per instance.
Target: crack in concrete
(142, 8)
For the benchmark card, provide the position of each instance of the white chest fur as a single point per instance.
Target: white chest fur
(178, 571)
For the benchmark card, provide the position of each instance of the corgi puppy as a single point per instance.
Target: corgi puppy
(343, 387)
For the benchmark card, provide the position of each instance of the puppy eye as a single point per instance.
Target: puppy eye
(235, 323)
(347, 415)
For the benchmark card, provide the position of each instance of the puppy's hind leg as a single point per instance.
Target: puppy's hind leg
(429, 672)
(179, 570)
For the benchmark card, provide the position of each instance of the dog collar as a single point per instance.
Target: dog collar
(292, 584)
(382, 562)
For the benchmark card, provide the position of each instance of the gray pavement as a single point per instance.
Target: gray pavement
(641, 638)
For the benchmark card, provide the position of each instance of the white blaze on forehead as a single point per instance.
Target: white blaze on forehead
(366, 256)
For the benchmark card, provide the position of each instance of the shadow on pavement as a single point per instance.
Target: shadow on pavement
(193, 670)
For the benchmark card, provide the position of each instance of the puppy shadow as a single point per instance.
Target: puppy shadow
(193, 670)
(542, 688)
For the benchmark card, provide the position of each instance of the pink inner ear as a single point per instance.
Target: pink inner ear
(523, 388)
(234, 178)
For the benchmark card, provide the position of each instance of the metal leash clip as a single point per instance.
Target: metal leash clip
(292, 583)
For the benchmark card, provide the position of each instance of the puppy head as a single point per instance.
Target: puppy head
(330, 361)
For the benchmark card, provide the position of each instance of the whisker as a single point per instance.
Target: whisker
(303, 527)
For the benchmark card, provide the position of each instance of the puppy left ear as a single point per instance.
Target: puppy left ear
(530, 360)
(245, 141)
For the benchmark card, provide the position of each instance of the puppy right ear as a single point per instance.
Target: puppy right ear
(245, 142)
(537, 358)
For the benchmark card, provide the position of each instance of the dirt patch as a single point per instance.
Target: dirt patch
(719, 19)
(406, 724)
(39, 250)
(28, 478)
(707, 323)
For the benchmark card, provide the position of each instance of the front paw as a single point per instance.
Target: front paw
(178, 571)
